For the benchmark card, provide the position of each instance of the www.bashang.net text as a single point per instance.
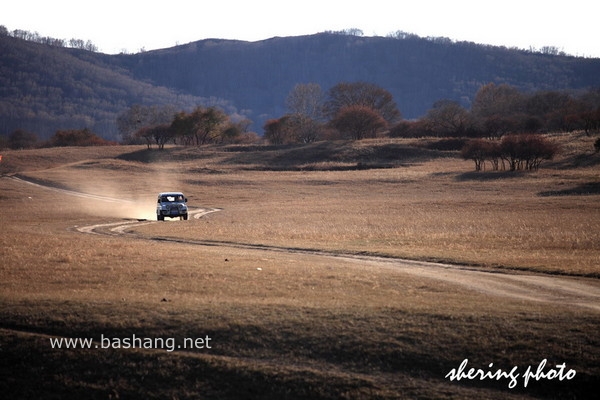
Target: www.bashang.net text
(133, 342)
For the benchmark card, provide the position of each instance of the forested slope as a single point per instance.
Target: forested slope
(45, 88)
(417, 71)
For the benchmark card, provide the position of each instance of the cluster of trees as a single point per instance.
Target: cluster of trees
(402, 35)
(520, 152)
(503, 122)
(77, 137)
(162, 124)
(37, 38)
(21, 139)
(359, 110)
(155, 124)
(502, 109)
(355, 110)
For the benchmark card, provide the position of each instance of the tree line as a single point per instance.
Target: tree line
(502, 126)
(159, 125)
(37, 38)
(358, 110)
(21, 139)
(503, 123)
(44, 88)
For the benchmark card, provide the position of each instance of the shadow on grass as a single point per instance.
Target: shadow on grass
(287, 360)
(489, 176)
(331, 156)
(145, 156)
(583, 160)
(585, 189)
(325, 155)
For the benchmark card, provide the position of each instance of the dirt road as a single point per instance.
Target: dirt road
(553, 289)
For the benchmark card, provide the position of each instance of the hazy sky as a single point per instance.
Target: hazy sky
(130, 25)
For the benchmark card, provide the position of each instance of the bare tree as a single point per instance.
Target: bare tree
(138, 116)
(306, 99)
(362, 94)
(279, 131)
(476, 150)
(201, 126)
(527, 151)
(182, 127)
(496, 100)
(520, 151)
(448, 118)
(358, 122)
(305, 103)
(207, 123)
(21, 139)
(159, 134)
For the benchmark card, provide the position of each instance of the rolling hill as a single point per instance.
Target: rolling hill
(45, 88)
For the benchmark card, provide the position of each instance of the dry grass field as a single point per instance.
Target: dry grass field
(297, 280)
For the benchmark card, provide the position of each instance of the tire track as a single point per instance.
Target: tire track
(118, 227)
(552, 289)
(122, 227)
(36, 183)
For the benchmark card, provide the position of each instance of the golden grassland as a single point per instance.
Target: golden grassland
(285, 324)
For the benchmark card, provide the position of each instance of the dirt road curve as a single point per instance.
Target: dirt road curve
(572, 291)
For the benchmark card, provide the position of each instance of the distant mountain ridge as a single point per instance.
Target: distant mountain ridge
(45, 88)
